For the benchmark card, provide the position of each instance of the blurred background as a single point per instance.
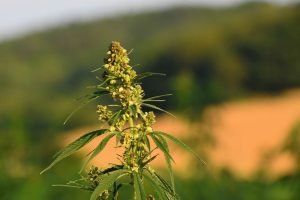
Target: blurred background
(232, 65)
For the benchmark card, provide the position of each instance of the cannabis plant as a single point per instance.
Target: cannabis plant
(126, 121)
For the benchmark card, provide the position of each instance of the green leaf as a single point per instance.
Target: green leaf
(149, 160)
(118, 138)
(156, 97)
(169, 164)
(139, 189)
(116, 187)
(100, 92)
(154, 100)
(147, 74)
(79, 107)
(160, 194)
(132, 109)
(179, 143)
(98, 149)
(160, 181)
(157, 108)
(106, 182)
(147, 142)
(161, 146)
(115, 117)
(94, 70)
(112, 169)
(105, 81)
(74, 146)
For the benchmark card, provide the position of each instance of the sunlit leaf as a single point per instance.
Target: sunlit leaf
(98, 149)
(157, 108)
(169, 164)
(74, 146)
(161, 146)
(178, 142)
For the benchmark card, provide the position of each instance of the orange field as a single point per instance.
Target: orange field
(244, 131)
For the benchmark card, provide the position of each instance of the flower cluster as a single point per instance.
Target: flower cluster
(117, 63)
(148, 119)
(103, 113)
(120, 81)
(120, 76)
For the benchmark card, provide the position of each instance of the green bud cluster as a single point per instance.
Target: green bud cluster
(93, 176)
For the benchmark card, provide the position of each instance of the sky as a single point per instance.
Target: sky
(19, 17)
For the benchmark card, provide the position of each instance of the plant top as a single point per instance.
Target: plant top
(132, 128)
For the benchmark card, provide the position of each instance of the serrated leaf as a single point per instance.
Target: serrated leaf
(106, 182)
(179, 143)
(74, 146)
(139, 189)
(160, 194)
(170, 194)
(169, 164)
(161, 146)
(98, 149)
(162, 182)
(157, 108)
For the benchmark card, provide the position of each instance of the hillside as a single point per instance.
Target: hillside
(210, 55)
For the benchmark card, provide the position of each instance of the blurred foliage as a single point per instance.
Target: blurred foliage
(292, 144)
(210, 55)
